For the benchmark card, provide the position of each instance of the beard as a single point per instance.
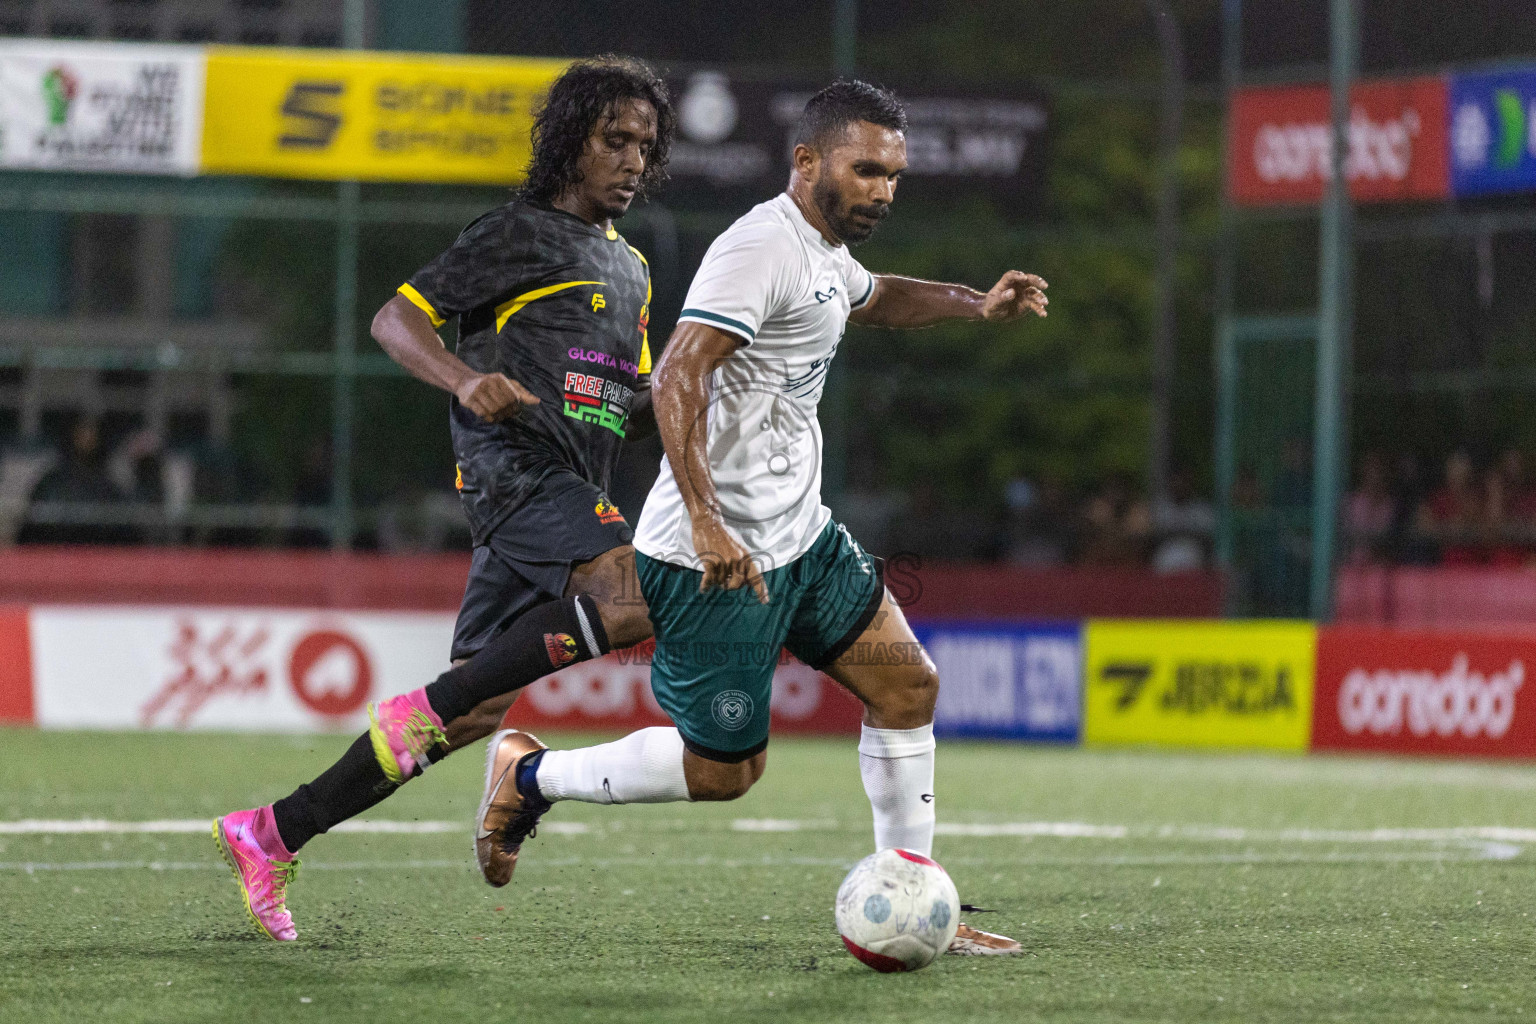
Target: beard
(829, 201)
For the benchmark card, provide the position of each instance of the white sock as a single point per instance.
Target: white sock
(645, 767)
(897, 766)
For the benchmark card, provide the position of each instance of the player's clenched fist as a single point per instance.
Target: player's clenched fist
(727, 562)
(1014, 295)
(494, 397)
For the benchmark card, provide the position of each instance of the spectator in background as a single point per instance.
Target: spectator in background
(1116, 526)
(1184, 524)
(931, 528)
(1409, 546)
(1503, 485)
(1454, 515)
(79, 478)
(1519, 497)
(1369, 513)
(312, 490)
(1039, 523)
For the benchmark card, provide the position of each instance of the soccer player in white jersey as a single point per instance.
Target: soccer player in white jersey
(737, 555)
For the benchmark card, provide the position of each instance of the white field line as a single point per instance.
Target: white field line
(1489, 852)
(1020, 829)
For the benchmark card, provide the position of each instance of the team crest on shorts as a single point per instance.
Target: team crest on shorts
(732, 709)
(608, 512)
(561, 648)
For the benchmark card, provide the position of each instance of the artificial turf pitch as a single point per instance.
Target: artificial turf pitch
(1146, 886)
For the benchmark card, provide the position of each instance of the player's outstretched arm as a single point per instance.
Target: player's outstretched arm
(906, 302)
(681, 395)
(406, 333)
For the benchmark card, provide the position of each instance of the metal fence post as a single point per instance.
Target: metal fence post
(1331, 440)
(344, 341)
(1226, 355)
(1165, 340)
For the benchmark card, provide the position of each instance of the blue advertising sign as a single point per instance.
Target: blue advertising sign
(1493, 132)
(1019, 681)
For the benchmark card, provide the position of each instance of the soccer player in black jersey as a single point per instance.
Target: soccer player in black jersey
(551, 372)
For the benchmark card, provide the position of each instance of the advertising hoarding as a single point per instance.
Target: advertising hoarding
(1199, 684)
(1013, 681)
(1425, 692)
(102, 107)
(1280, 144)
(226, 668)
(736, 134)
(335, 115)
(258, 669)
(1493, 132)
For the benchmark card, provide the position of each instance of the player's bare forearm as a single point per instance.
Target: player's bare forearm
(405, 332)
(906, 303)
(642, 413)
(680, 397)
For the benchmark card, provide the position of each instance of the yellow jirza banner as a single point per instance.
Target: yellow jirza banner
(1209, 684)
(337, 115)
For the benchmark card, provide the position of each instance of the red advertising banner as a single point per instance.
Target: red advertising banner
(613, 693)
(1280, 144)
(1425, 692)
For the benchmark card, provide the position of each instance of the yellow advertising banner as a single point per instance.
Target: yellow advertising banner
(339, 115)
(1199, 684)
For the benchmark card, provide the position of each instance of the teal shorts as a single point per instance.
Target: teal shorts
(716, 651)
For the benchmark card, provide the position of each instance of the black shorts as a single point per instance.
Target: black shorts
(528, 558)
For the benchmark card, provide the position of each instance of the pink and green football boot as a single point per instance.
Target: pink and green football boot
(403, 729)
(263, 867)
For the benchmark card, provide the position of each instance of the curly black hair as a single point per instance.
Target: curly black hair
(584, 93)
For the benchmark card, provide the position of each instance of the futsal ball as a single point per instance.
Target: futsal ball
(897, 910)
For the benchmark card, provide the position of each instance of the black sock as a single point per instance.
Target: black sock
(542, 641)
(344, 790)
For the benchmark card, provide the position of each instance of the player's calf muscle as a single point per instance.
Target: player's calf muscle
(610, 581)
(480, 722)
(716, 780)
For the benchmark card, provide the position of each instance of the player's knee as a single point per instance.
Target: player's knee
(908, 699)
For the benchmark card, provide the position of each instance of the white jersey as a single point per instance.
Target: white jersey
(773, 281)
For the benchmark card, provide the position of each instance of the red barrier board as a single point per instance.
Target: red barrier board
(613, 693)
(1425, 692)
(16, 703)
(1279, 143)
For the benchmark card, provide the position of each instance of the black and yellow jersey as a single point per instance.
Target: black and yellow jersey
(561, 306)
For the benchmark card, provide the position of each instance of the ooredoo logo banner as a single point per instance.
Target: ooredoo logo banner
(1425, 693)
(1205, 684)
(1280, 145)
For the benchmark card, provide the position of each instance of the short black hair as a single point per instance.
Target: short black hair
(843, 103)
(585, 92)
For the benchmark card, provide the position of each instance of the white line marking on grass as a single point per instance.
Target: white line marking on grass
(188, 826)
(1016, 829)
(1490, 853)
